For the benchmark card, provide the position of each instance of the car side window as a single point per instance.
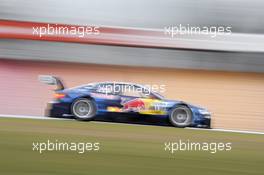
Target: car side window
(105, 88)
(109, 88)
(134, 91)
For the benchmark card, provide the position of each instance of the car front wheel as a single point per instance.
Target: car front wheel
(181, 116)
(84, 109)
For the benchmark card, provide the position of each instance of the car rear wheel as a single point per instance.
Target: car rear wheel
(181, 116)
(84, 109)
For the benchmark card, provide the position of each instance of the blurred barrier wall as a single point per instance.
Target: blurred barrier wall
(130, 56)
(235, 99)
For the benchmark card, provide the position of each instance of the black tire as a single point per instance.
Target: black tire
(181, 116)
(84, 109)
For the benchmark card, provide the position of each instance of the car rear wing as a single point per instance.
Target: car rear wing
(51, 80)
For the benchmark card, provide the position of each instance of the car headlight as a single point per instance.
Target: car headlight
(204, 112)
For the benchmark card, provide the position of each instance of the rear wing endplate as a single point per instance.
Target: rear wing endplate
(51, 80)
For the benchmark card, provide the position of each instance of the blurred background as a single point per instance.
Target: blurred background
(224, 74)
(244, 16)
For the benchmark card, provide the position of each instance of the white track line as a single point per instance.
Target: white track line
(229, 130)
(49, 118)
(30, 117)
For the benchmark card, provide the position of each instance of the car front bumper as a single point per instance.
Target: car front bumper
(202, 121)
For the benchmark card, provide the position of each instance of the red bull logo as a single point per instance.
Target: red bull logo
(135, 105)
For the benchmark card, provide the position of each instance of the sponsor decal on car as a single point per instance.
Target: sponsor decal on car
(104, 96)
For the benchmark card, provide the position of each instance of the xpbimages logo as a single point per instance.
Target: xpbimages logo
(80, 147)
(57, 30)
(212, 147)
(212, 31)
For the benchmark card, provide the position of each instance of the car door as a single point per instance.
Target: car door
(132, 98)
(140, 100)
(106, 96)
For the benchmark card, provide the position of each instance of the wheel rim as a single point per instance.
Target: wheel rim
(180, 116)
(83, 109)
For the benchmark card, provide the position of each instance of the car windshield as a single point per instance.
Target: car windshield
(158, 95)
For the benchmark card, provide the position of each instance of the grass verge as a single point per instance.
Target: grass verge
(124, 149)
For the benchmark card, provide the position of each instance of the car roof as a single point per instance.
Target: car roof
(118, 82)
(108, 82)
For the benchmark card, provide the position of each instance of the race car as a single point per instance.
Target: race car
(87, 101)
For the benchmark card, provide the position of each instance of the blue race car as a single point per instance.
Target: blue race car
(88, 101)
